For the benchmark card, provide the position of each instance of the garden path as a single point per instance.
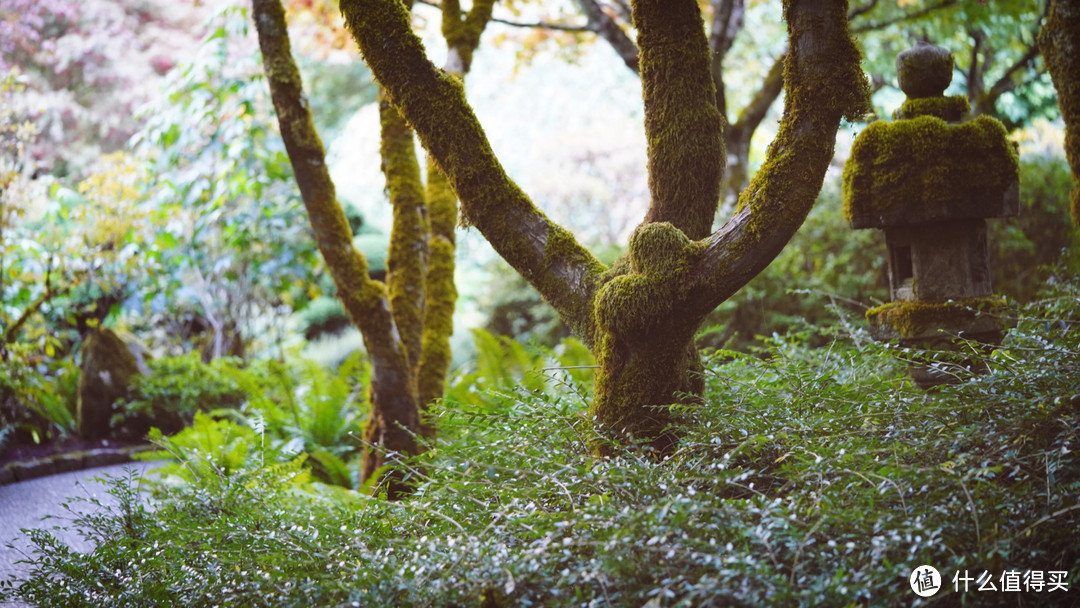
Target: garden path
(24, 504)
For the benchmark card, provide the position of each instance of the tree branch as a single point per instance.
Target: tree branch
(433, 102)
(870, 27)
(13, 330)
(1006, 82)
(682, 123)
(727, 22)
(602, 23)
(406, 261)
(754, 112)
(544, 25)
(823, 83)
(861, 10)
(974, 74)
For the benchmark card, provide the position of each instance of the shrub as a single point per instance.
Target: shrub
(178, 389)
(810, 477)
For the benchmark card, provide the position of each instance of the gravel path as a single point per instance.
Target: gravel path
(24, 504)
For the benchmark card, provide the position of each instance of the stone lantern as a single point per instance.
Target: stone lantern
(929, 180)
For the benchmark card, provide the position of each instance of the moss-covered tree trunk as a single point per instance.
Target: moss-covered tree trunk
(1060, 45)
(406, 323)
(639, 316)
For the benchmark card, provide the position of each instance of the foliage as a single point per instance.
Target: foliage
(269, 408)
(36, 406)
(63, 254)
(176, 391)
(503, 365)
(827, 269)
(1040, 239)
(235, 246)
(88, 65)
(810, 477)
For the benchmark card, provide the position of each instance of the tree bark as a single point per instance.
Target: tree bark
(1060, 44)
(683, 127)
(648, 319)
(393, 393)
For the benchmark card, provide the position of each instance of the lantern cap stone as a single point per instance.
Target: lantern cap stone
(926, 170)
(925, 70)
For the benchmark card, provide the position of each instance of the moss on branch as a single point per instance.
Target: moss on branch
(684, 129)
(406, 262)
(433, 102)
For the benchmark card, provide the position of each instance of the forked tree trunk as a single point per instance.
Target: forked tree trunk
(640, 315)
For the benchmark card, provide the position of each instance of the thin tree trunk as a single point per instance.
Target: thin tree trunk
(393, 390)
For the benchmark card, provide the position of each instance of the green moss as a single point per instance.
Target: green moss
(462, 32)
(913, 318)
(682, 123)
(105, 376)
(781, 193)
(949, 109)
(644, 348)
(924, 169)
(657, 248)
(441, 297)
(434, 103)
(407, 259)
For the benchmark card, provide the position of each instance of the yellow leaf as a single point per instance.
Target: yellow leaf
(92, 322)
(50, 351)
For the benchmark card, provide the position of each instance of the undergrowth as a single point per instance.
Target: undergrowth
(812, 477)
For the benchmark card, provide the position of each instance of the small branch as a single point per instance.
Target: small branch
(1006, 83)
(1046, 518)
(603, 24)
(870, 27)
(29, 311)
(974, 74)
(9, 335)
(754, 112)
(545, 25)
(862, 10)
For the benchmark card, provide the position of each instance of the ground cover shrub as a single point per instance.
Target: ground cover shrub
(811, 476)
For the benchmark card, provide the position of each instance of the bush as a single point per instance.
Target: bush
(811, 477)
(826, 269)
(178, 389)
(1041, 237)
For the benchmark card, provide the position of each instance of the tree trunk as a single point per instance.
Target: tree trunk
(394, 416)
(639, 316)
(1060, 43)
